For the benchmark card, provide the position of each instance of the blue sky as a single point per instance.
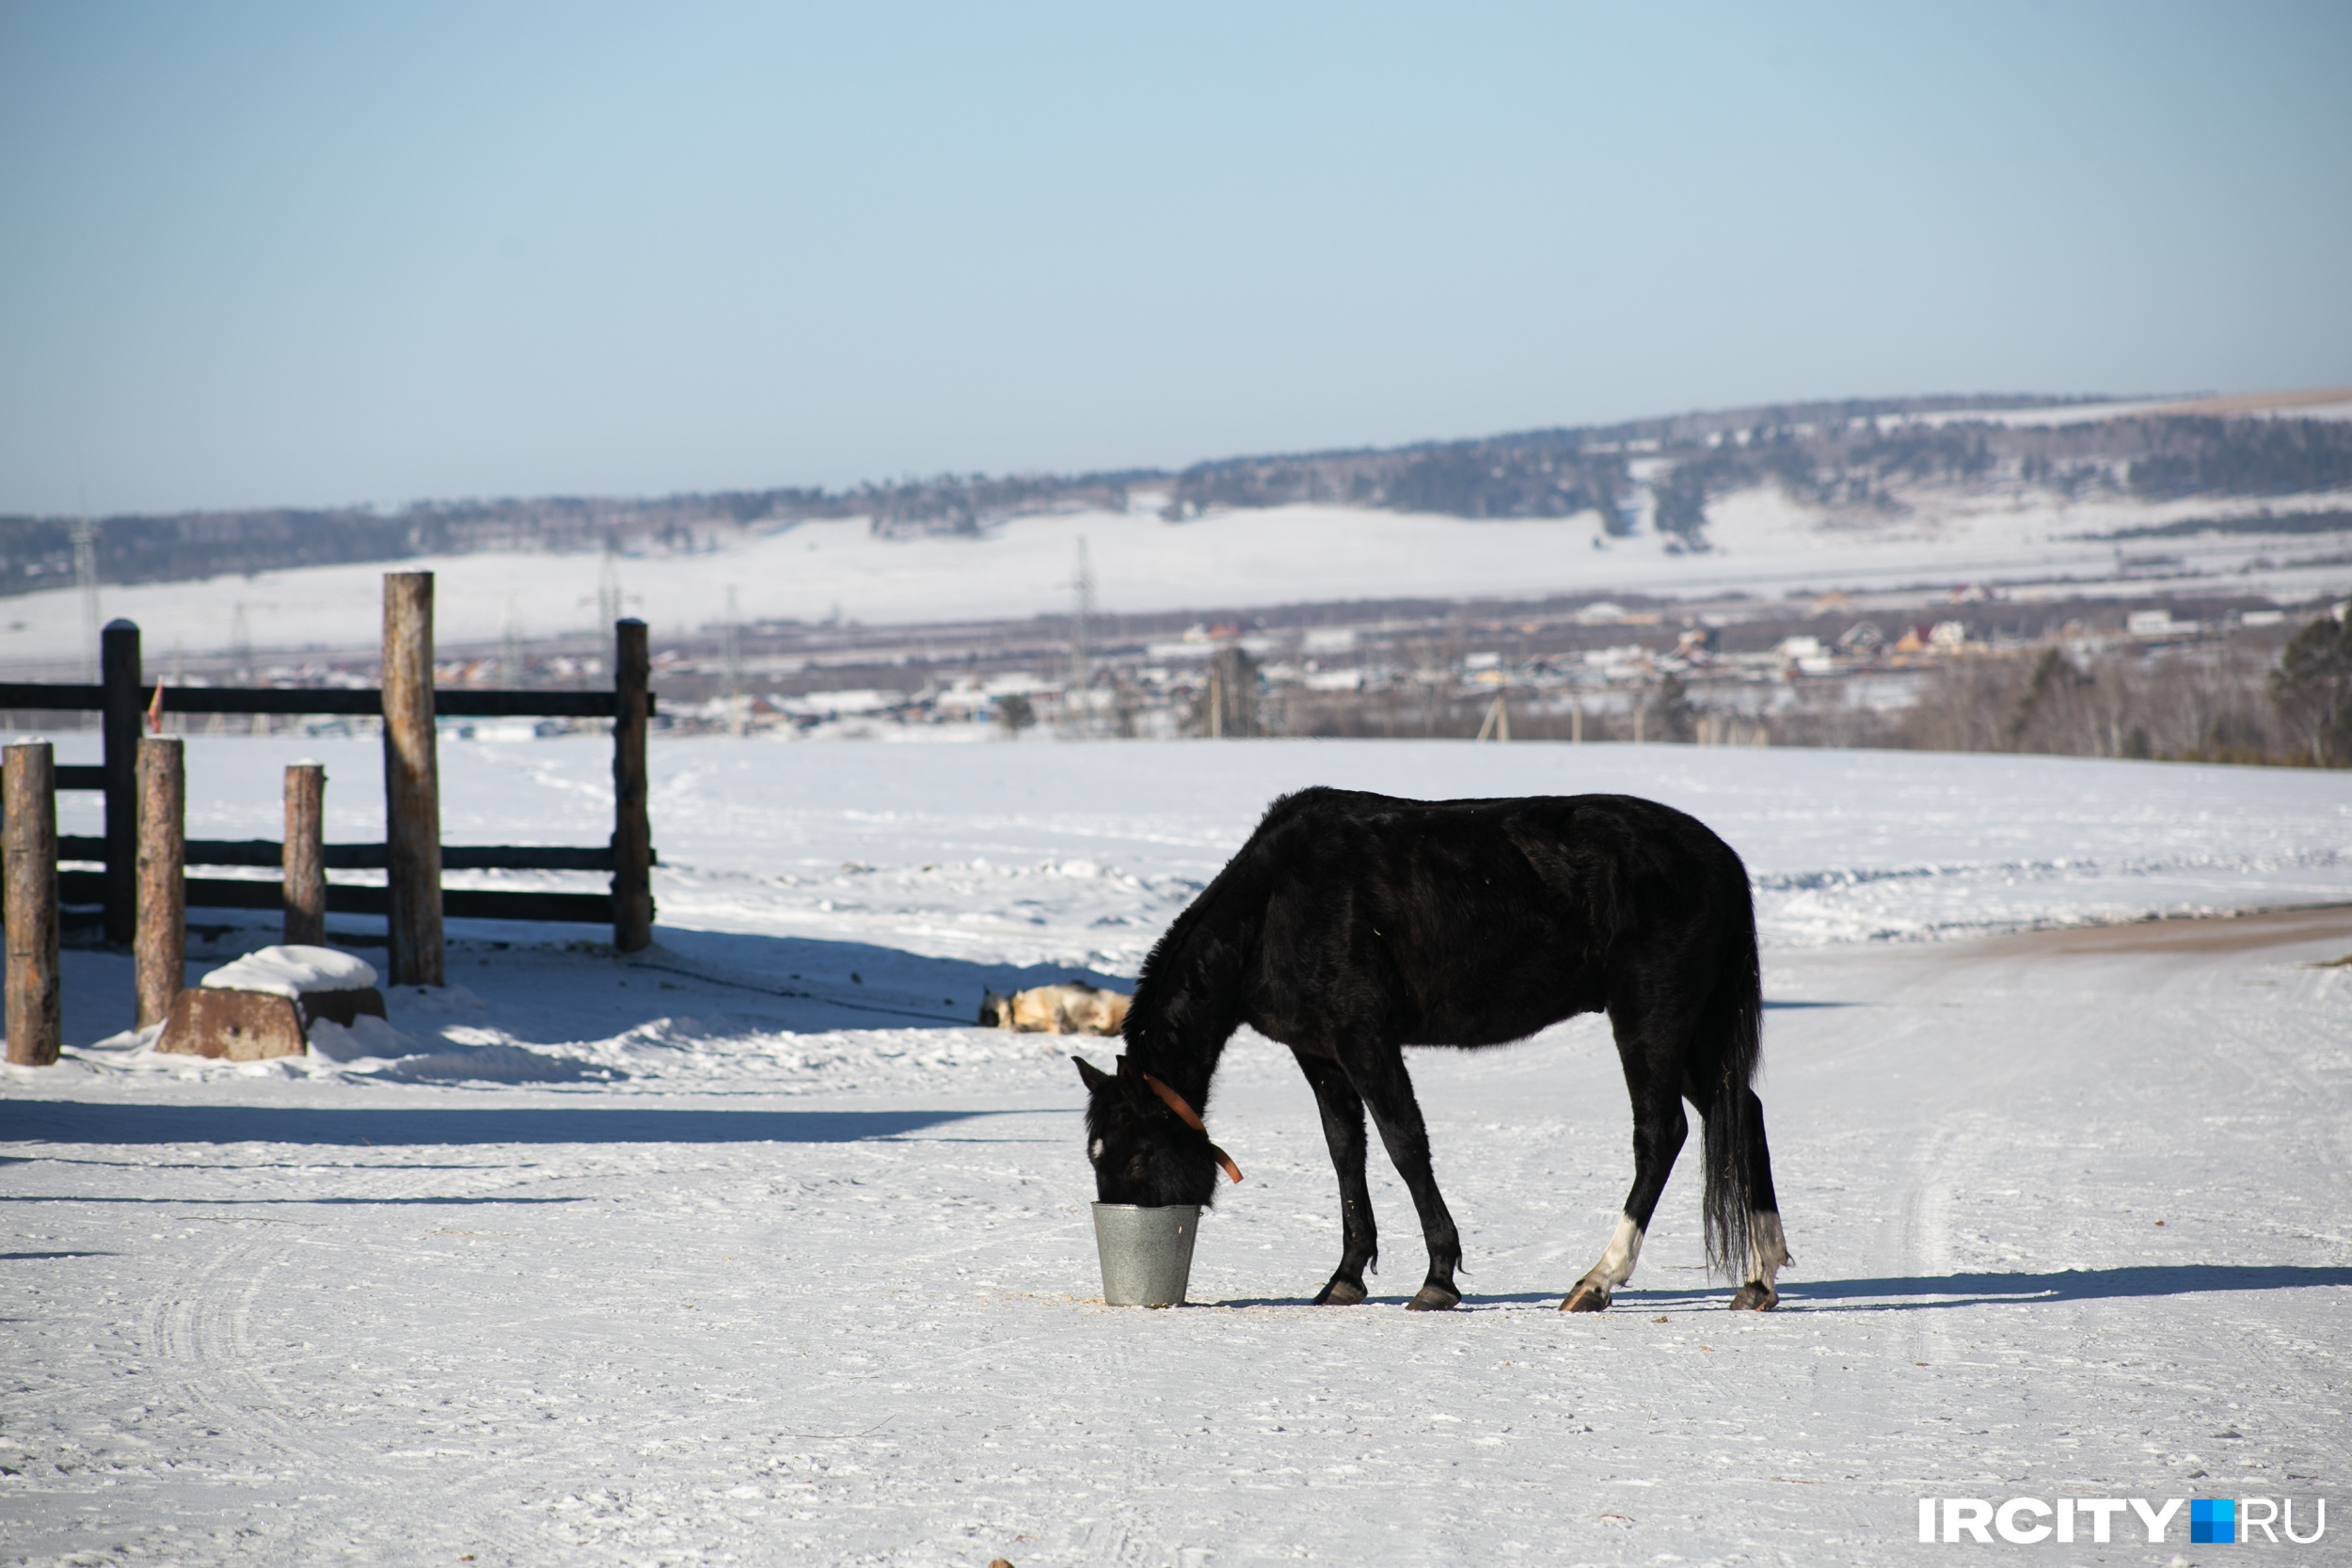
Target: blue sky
(255, 254)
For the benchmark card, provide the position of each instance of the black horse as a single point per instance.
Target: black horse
(1351, 925)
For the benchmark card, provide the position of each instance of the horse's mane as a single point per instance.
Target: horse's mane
(1188, 995)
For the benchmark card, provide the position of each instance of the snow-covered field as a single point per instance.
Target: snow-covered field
(750, 1251)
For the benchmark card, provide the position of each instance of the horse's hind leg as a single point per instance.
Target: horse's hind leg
(1343, 1110)
(1659, 1129)
(1768, 1249)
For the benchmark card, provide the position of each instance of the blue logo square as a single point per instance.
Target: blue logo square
(2213, 1521)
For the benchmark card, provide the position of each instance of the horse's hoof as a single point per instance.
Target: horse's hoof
(1433, 1298)
(1340, 1293)
(1586, 1298)
(1754, 1296)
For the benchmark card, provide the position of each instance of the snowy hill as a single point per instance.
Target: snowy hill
(2254, 493)
(1764, 543)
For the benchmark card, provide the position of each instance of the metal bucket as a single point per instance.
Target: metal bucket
(1146, 1252)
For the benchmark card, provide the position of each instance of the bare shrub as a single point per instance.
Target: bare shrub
(2195, 704)
(2312, 688)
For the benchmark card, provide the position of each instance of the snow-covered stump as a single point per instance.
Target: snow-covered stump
(263, 1005)
(161, 947)
(28, 800)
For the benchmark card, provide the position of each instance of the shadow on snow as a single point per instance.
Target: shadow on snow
(69, 1121)
(1979, 1289)
(1926, 1292)
(875, 987)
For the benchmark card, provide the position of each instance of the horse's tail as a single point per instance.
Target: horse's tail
(1731, 1040)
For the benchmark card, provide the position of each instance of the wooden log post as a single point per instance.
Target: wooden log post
(118, 727)
(632, 824)
(305, 859)
(160, 958)
(28, 862)
(412, 783)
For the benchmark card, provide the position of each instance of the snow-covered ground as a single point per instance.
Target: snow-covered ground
(1035, 852)
(749, 1250)
(1764, 545)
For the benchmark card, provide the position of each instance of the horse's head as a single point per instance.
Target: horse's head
(1147, 1145)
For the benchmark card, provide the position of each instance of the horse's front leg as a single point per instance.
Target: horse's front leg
(1387, 1089)
(1343, 1110)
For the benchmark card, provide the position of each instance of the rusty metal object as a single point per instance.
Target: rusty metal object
(235, 1025)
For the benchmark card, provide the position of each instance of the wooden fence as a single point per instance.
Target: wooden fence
(412, 856)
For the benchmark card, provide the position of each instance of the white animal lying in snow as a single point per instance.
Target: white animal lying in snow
(1073, 1008)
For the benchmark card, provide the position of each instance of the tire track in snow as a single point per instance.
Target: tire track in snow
(1925, 1245)
(198, 1332)
(201, 1332)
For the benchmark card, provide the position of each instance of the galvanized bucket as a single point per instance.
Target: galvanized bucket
(1146, 1252)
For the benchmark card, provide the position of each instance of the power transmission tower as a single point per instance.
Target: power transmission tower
(240, 647)
(86, 578)
(513, 675)
(1497, 726)
(609, 589)
(241, 660)
(1441, 678)
(1078, 712)
(731, 653)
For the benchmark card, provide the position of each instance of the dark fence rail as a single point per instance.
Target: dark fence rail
(370, 857)
(89, 888)
(368, 702)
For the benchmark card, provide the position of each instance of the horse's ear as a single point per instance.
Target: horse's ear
(1126, 1068)
(1095, 1079)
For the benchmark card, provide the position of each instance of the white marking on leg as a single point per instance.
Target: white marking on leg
(1616, 1260)
(1768, 1247)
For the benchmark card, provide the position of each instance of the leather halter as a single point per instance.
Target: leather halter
(1191, 1119)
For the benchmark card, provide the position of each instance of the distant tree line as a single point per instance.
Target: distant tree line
(2242, 457)
(1467, 479)
(37, 553)
(1850, 464)
(2260, 522)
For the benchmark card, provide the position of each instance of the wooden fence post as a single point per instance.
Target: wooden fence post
(305, 859)
(412, 782)
(161, 953)
(118, 727)
(28, 795)
(632, 824)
